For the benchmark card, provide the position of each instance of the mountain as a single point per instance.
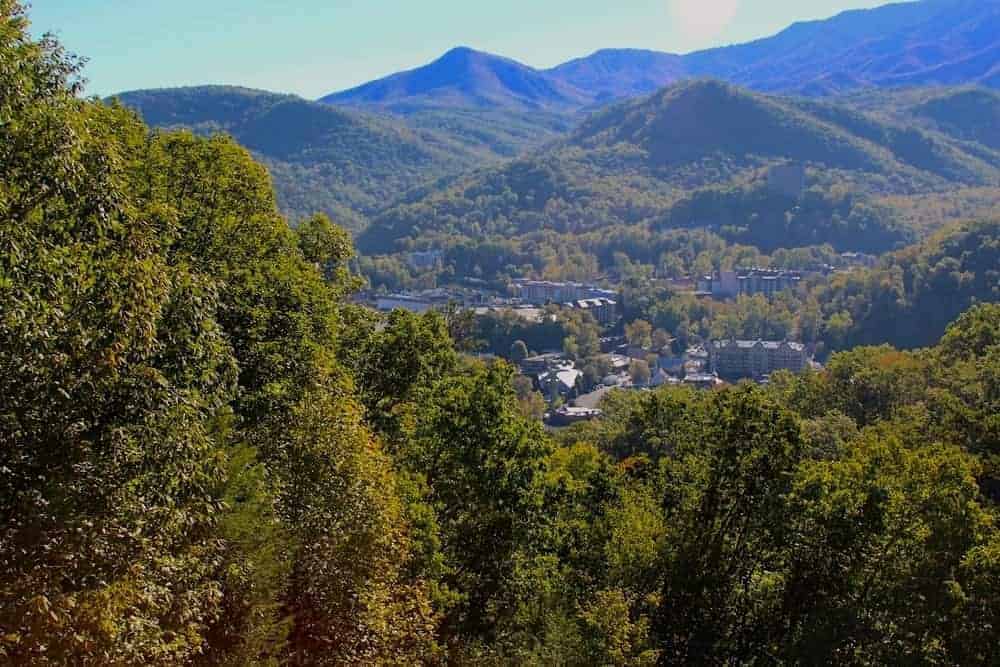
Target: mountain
(968, 115)
(921, 43)
(464, 79)
(635, 162)
(928, 42)
(613, 74)
(971, 115)
(321, 158)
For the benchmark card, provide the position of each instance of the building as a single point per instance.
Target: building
(418, 302)
(567, 416)
(603, 309)
(542, 363)
(540, 292)
(425, 259)
(748, 282)
(859, 259)
(526, 313)
(724, 285)
(737, 359)
(662, 378)
(560, 382)
(412, 303)
(702, 380)
(766, 281)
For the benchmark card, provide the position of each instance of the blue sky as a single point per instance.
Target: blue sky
(314, 47)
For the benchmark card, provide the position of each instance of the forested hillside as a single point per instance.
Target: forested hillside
(344, 163)
(210, 456)
(632, 164)
(965, 113)
(321, 159)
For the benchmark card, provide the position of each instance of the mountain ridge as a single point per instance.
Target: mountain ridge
(632, 163)
(464, 78)
(923, 42)
(322, 158)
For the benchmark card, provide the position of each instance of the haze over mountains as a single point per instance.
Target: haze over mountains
(468, 79)
(928, 42)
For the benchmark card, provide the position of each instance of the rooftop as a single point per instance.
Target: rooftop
(750, 344)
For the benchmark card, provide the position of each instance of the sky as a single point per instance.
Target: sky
(315, 47)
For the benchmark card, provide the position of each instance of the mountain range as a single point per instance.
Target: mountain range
(927, 42)
(635, 162)
(621, 135)
(345, 163)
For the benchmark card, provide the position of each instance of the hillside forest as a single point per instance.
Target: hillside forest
(209, 455)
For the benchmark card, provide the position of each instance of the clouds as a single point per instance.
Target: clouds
(698, 20)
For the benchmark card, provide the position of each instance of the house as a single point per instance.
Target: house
(542, 363)
(567, 416)
(560, 382)
(737, 359)
(662, 378)
(619, 362)
(703, 380)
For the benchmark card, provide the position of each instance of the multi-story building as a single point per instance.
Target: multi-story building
(737, 359)
(605, 311)
(767, 282)
(748, 282)
(542, 292)
(723, 285)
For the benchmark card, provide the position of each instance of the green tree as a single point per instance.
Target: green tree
(518, 352)
(481, 460)
(724, 497)
(639, 334)
(639, 371)
(326, 245)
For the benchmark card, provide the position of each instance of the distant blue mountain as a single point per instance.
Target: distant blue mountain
(467, 79)
(927, 42)
(612, 74)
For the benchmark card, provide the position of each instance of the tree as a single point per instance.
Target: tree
(639, 334)
(639, 372)
(326, 245)
(532, 403)
(348, 597)
(518, 352)
(571, 348)
(113, 368)
(879, 541)
(724, 497)
(481, 460)
(660, 339)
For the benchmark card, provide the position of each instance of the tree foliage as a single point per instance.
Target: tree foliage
(209, 456)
